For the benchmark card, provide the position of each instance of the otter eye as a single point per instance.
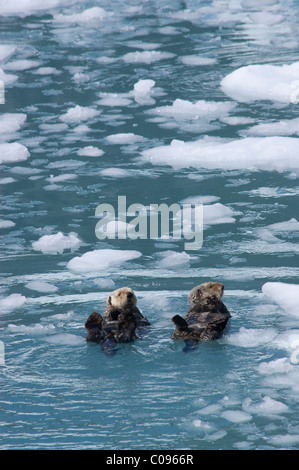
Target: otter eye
(118, 294)
(211, 287)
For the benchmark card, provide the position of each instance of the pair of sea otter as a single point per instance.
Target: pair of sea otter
(205, 320)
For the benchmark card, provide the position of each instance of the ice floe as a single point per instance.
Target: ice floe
(287, 127)
(11, 122)
(124, 138)
(99, 260)
(263, 82)
(194, 117)
(146, 57)
(250, 153)
(28, 7)
(78, 114)
(13, 152)
(286, 295)
(57, 243)
(90, 151)
(86, 16)
(197, 60)
(41, 286)
(6, 50)
(6, 223)
(11, 302)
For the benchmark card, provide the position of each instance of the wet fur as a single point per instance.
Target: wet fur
(119, 322)
(206, 318)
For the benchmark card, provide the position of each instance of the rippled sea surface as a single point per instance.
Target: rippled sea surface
(106, 99)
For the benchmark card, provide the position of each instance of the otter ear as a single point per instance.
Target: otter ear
(109, 300)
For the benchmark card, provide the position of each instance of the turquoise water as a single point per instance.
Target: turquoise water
(86, 134)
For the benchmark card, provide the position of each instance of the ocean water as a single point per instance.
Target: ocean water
(162, 102)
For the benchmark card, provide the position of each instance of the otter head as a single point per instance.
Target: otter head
(208, 290)
(122, 298)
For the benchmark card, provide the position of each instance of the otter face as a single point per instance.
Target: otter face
(122, 298)
(209, 289)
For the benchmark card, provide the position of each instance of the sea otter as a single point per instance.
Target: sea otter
(206, 318)
(119, 322)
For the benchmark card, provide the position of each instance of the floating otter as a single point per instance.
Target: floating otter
(206, 318)
(119, 321)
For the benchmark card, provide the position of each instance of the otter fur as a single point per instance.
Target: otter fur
(206, 318)
(119, 322)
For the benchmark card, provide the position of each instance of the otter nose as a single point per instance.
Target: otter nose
(130, 295)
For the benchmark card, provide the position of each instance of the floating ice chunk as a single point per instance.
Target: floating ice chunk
(262, 82)
(124, 138)
(10, 303)
(251, 338)
(105, 60)
(267, 406)
(197, 60)
(182, 110)
(114, 99)
(6, 50)
(287, 127)
(146, 57)
(7, 78)
(105, 283)
(286, 295)
(7, 180)
(41, 286)
(6, 223)
(217, 214)
(236, 416)
(65, 339)
(116, 173)
(142, 92)
(173, 260)
(99, 260)
(13, 152)
(264, 153)
(22, 64)
(28, 7)
(11, 122)
(199, 200)
(37, 329)
(87, 16)
(78, 114)
(47, 71)
(61, 178)
(53, 244)
(143, 45)
(90, 151)
(284, 440)
(287, 226)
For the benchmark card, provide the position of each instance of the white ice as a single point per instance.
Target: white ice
(124, 138)
(254, 153)
(287, 127)
(146, 57)
(90, 151)
(263, 82)
(12, 302)
(11, 122)
(87, 16)
(6, 223)
(6, 50)
(57, 243)
(191, 116)
(78, 114)
(101, 260)
(41, 286)
(13, 152)
(286, 295)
